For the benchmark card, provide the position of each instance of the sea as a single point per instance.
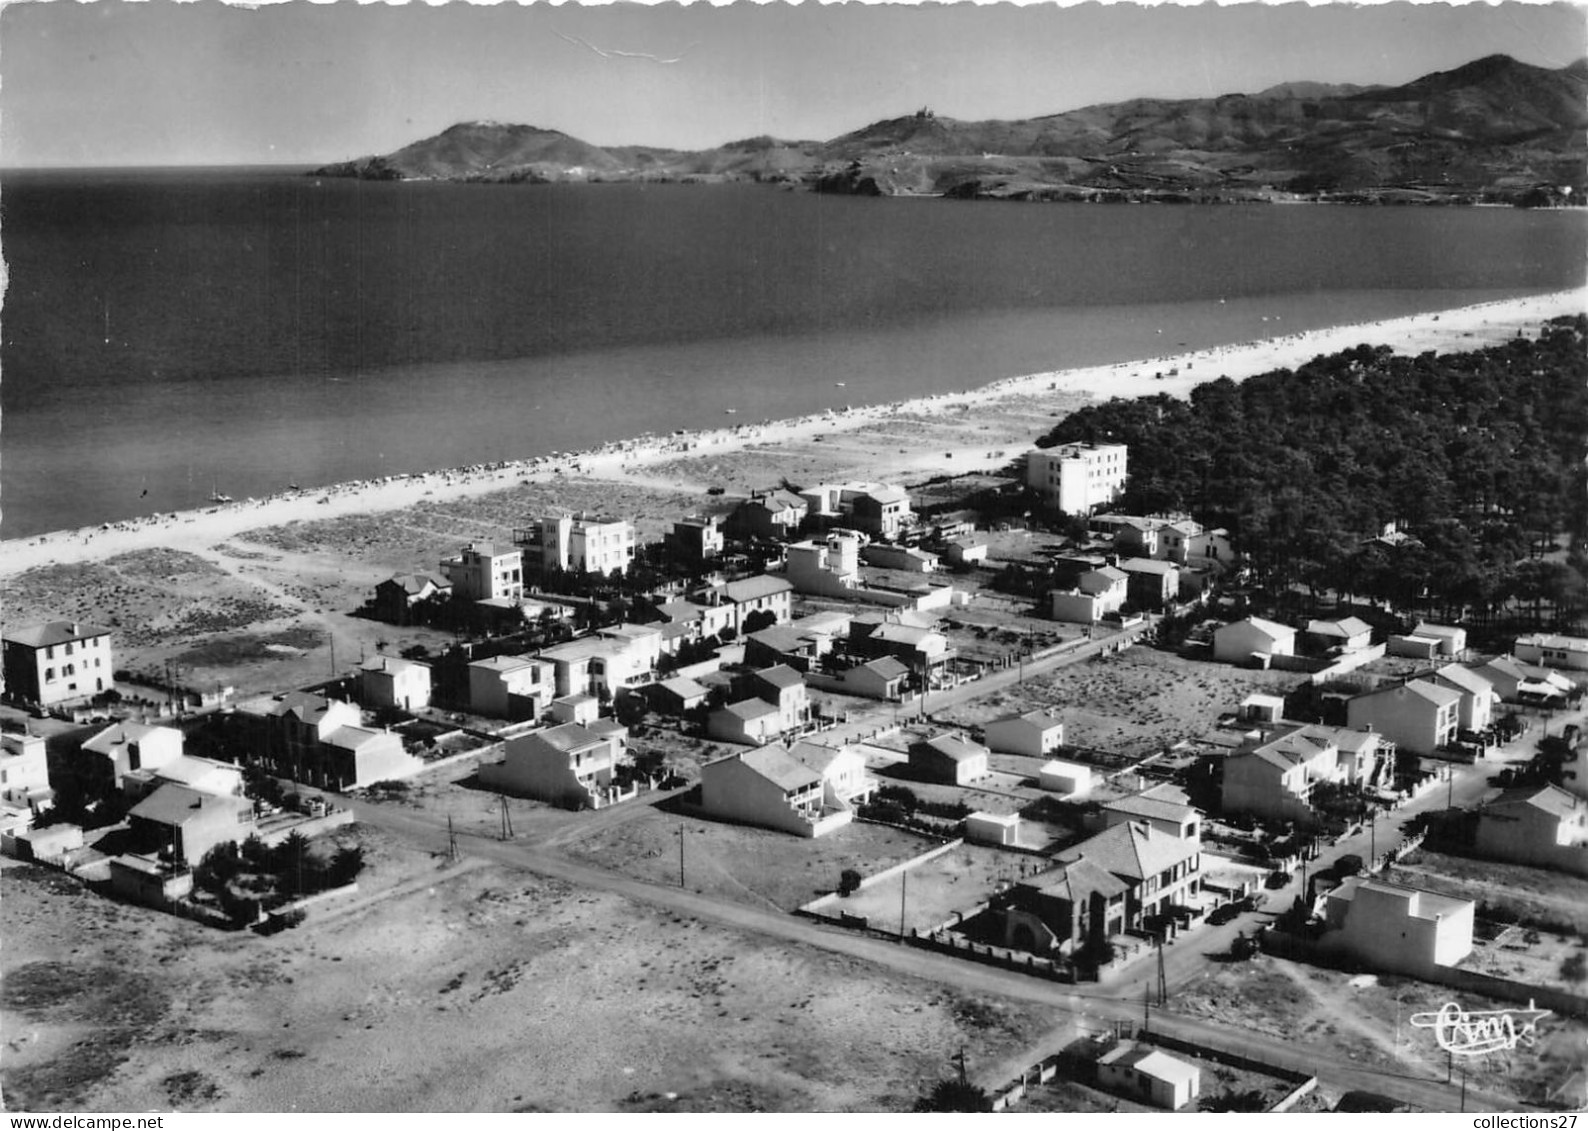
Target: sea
(170, 334)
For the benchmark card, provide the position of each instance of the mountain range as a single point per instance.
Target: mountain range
(1493, 130)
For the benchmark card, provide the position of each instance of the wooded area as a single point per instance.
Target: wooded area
(1477, 457)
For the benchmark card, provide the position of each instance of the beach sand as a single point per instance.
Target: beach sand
(977, 430)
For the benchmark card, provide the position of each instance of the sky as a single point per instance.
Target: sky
(205, 83)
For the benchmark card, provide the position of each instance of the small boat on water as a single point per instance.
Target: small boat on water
(730, 411)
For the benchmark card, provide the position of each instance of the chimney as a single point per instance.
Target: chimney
(73, 630)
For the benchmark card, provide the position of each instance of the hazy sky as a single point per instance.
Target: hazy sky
(120, 83)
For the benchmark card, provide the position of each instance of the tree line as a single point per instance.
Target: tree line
(1477, 458)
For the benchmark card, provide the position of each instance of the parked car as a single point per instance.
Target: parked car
(1224, 913)
(1277, 880)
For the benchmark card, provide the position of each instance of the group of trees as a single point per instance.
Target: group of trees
(247, 878)
(1478, 457)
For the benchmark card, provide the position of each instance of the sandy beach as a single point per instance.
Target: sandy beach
(977, 430)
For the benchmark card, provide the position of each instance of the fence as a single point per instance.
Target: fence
(817, 908)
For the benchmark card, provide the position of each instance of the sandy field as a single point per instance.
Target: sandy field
(1365, 1019)
(1135, 703)
(472, 989)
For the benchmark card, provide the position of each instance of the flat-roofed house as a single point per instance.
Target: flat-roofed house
(1238, 643)
(1035, 734)
(770, 788)
(482, 570)
(390, 681)
(578, 544)
(1552, 650)
(57, 662)
(1478, 697)
(205, 775)
(1397, 929)
(1078, 478)
(1072, 779)
(1543, 827)
(572, 765)
(1000, 830)
(1150, 1075)
(511, 687)
(949, 759)
(1417, 715)
(695, 540)
(25, 771)
(183, 824)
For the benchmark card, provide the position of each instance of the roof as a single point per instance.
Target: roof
(1550, 799)
(778, 500)
(585, 648)
(781, 638)
(1110, 573)
(504, 663)
(118, 734)
(354, 738)
(952, 746)
(681, 610)
(902, 634)
(392, 664)
(887, 667)
(1039, 719)
(683, 687)
(174, 804)
(1441, 631)
(1153, 1062)
(1293, 748)
(823, 623)
(1141, 805)
(1465, 678)
(1149, 565)
(1258, 698)
(416, 582)
(780, 676)
(1133, 850)
(1551, 640)
(779, 767)
(569, 737)
(1268, 627)
(1077, 881)
(1350, 626)
(1428, 905)
(754, 588)
(1506, 666)
(748, 709)
(54, 632)
(488, 549)
(818, 757)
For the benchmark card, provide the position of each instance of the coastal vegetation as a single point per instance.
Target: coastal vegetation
(1439, 483)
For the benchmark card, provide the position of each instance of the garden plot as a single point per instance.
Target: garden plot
(928, 894)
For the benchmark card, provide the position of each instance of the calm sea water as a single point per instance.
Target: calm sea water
(169, 333)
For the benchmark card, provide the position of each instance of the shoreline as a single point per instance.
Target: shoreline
(630, 460)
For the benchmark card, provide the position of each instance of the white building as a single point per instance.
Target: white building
(1552, 651)
(389, 681)
(57, 662)
(1034, 734)
(580, 545)
(511, 687)
(484, 570)
(1077, 478)
(1398, 929)
(1141, 1072)
(1238, 643)
(1071, 779)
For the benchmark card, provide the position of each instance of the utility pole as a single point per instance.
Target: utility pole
(959, 1059)
(452, 842)
(1146, 1018)
(680, 854)
(507, 818)
(1163, 979)
(904, 886)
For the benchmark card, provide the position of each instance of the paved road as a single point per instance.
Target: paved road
(1097, 1004)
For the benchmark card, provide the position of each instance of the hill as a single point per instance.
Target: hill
(1495, 129)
